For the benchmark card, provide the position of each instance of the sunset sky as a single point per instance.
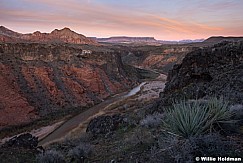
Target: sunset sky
(162, 19)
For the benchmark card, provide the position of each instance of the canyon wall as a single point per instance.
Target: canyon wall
(38, 79)
(212, 71)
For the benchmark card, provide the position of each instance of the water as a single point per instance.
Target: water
(74, 122)
(135, 90)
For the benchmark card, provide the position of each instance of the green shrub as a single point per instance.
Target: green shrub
(189, 119)
(186, 119)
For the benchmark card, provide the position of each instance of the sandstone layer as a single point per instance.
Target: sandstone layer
(39, 79)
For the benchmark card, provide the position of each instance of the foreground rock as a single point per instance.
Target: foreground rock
(105, 124)
(26, 141)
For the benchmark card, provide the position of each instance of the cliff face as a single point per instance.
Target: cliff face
(37, 79)
(64, 35)
(160, 58)
(212, 71)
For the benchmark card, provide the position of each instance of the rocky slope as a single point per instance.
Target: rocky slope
(212, 71)
(217, 39)
(39, 79)
(64, 35)
(160, 58)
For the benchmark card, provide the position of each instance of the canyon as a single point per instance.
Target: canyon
(65, 88)
(61, 72)
(38, 79)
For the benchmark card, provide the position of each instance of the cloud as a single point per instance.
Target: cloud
(95, 19)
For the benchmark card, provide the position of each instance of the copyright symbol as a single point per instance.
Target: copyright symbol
(197, 159)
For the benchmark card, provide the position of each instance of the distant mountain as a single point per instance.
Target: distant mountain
(216, 39)
(7, 35)
(191, 41)
(151, 40)
(124, 39)
(64, 35)
(7, 32)
(180, 41)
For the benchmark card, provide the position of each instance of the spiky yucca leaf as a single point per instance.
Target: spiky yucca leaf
(219, 108)
(189, 119)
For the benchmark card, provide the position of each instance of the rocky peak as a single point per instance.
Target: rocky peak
(66, 32)
(7, 32)
(66, 29)
(37, 33)
(64, 35)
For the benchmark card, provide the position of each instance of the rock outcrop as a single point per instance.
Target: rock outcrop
(212, 71)
(26, 141)
(39, 79)
(160, 58)
(64, 35)
(104, 124)
(217, 39)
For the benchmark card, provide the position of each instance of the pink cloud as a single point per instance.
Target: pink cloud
(98, 20)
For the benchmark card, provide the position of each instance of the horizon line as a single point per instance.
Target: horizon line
(106, 37)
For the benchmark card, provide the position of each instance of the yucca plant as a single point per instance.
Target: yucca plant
(191, 119)
(186, 119)
(219, 109)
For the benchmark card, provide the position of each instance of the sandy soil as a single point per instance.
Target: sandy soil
(40, 133)
(151, 90)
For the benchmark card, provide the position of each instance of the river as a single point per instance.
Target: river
(74, 122)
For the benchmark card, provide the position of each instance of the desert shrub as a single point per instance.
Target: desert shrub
(189, 119)
(179, 150)
(153, 120)
(219, 109)
(51, 156)
(212, 145)
(80, 153)
(186, 119)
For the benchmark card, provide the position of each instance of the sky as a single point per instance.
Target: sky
(162, 19)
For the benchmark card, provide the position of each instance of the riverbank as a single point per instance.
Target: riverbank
(83, 118)
(117, 105)
(46, 125)
(67, 128)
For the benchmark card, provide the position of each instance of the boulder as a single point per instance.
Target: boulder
(26, 140)
(105, 124)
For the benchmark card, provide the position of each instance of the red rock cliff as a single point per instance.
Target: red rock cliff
(38, 79)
